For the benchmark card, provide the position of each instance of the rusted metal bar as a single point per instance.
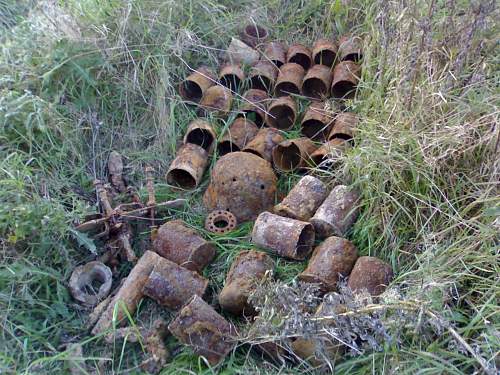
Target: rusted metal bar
(344, 126)
(299, 54)
(188, 166)
(324, 52)
(345, 80)
(90, 283)
(372, 274)
(294, 154)
(317, 82)
(350, 48)
(326, 156)
(317, 121)
(201, 133)
(254, 34)
(196, 84)
(216, 100)
(282, 113)
(263, 75)
(239, 134)
(254, 106)
(289, 81)
(275, 52)
(264, 142)
(231, 76)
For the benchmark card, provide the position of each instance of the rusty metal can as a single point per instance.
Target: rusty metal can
(324, 52)
(319, 351)
(254, 34)
(231, 76)
(201, 133)
(254, 106)
(303, 200)
(188, 166)
(217, 100)
(181, 244)
(198, 325)
(350, 48)
(372, 274)
(326, 156)
(83, 278)
(287, 237)
(317, 82)
(317, 121)
(263, 75)
(289, 80)
(345, 80)
(196, 84)
(240, 132)
(293, 154)
(264, 142)
(282, 113)
(344, 126)
(299, 54)
(275, 52)
(337, 214)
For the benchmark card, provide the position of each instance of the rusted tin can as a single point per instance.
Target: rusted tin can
(231, 76)
(289, 81)
(337, 213)
(372, 274)
(241, 183)
(317, 82)
(293, 154)
(345, 80)
(263, 75)
(317, 121)
(201, 133)
(198, 325)
(287, 237)
(281, 113)
(254, 106)
(196, 84)
(326, 156)
(299, 54)
(216, 100)
(264, 142)
(246, 271)
(240, 132)
(181, 244)
(188, 166)
(254, 34)
(275, 52)
(324, 52)
(344, 126)
(81, 283)
(303, 200)
(350, 48)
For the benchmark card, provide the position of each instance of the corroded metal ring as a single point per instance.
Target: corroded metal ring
(91, 283)
(220, 221)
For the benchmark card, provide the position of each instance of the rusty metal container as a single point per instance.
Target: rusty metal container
(299, 54)
(201, 133)
(183, 245)
(317, 121)
(281, 113)
(317, 82)
(289, 81)
(324, 52)
(337, 214)
(303, 200)
(287, 237)
(246, 271)
(263, 75)
(345, 80)
(372, 274)
(188, 166)
(254, 106)
(326, 156)
(318, 351)
(198, 325)
(217, 100)
(275, 52)
(172, 285)
(241, 53)
(196, 84)
(231, 76)
(254, 34)
(91, 283)
(293, 154)
(344, 126)
(264, 142)
(240, 132)
(241, 183)
(350, 48)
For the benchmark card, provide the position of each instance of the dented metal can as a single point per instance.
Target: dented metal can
(299, 54)
(217, 100)
(293, 154)
(263, 75)
(264, 142)
(289, 81)
(281, 113)
(231, 76)
(254, 34)
(240, 132)
(371, 274)
(196, 84)
(83, 278)
(326, 156)
(317, 82)
(275, 52)
(201, 133)
(254, 106)
(317, 121)
(188, 166)
(346, 76)
(350, 48)
(324, 52)
(344, 126)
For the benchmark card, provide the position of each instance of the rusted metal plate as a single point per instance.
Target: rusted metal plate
(372, 274)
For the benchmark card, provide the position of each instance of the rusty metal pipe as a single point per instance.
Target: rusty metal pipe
(324, 52)
(231, 76)
(254, 34)
(325, 156)
(317, 121)
(350, 48)
(275, 52)
(299, 54)
(216, 100)
(372, 274)
(240, 132)
(282, 113)
(345, 80)
(188, 166)
(201, 133)
(264, 142)
(289, 80)
(254, 106)
(90, 283)
(263, 75)
(317, 82)
(344, 126)
(293, 154)
(196, 84)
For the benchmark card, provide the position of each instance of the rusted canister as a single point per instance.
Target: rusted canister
(350, 48)
(281, 113)
(303, 200)
(317, 121)
(247, 270)
(337, 213)
(289, 80)
(344, 126)
(324, 52)
(254, 106)
(198, 325)
(195, 85)
(293, 154)
(263, 75)
(370, 273)
(317, 81)
(299, 54)
(180, 244)
(264, 142)
(254, 34)
(275, 52)
(325, 156)
(188, 166)
(287, 237)
(231, 76)
(201, 133)
(331, 260)
(240, 132)
(216, 100)
(345, 79)
(172, 285)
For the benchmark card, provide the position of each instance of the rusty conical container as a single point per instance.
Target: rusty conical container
(317, 82)
(289, 80)
(196, 84)
(281, 113)
(237, 136)
(324, 52)
(299, 54)
(345, 80)
(188, 166)
(254, 106)
(264, 142)
(201, 133)
(317, 121)
(293, 154)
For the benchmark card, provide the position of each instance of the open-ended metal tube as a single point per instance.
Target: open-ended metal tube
(275, 52)
(240, 132)
(217, 100)
(317, 121)
(196, 84)
(317, 82)
(324, 52)
(281, 113)
(201, 133)
(254, 106)
(293, 154)
(231, 76)
(344, 126)
(372, 274)
(289, 81)
(325, 156)
(264, 142)
(345, 80)
(188, 166)
(299, 54)
(350, 48)
(254, 34)
(263, 75)
(83, 279)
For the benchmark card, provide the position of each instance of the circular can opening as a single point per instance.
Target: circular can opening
(287, 158)
(181, 178)
(325, 57)
(314, 88)
(286, 88)
(315, 130)
(200, 137)
(305, 241)
(190, 90)
(231, 81)
(256, 31)
(343, 90)
(356, 57)
(226, 147)
(260, 82)
(281, 117)
(301, 59)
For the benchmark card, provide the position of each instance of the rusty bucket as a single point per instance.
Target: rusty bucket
(201, 133)
(344, 126)
(263, 75)
(299, 54)
(370, 273)
(324, 52)
(317, 82)
(254, 34)
(264, 142)
(240, 132)
(275, 52)
(345, 80)
(217, 100)
(293, 154)
(281, 113)
(254, 106)
(231, 76)
(317, 121)
(350, 48)
(196, 84)
(188, 166)
(289, 81)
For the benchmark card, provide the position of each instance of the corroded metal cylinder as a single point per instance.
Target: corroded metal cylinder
(293, 154)
(196, 84)
(350, 48)
(263, 75)
(264, 142)
(299, 54)
(326, 156)
(275, 52)
(287, 237)
(303, 200)
(231, 76)
(172, 285)
(216, 100)
(317, 82)
(370, 273)
(188, 166)
(254, 106)
(289, 80)
(240, 132)
(324, 52)
(247, 270)
(181, 244)
(337, 214)
(90, 283)
(344, 126)
(198, 325)
(254, 34)
(241, 183)
(201, 133)
(345, 80)
(317, 121)
(332, 260)
(281, 113)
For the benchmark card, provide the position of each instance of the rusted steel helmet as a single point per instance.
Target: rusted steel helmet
(243, 184)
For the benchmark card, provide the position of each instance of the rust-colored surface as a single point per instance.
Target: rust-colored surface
(216, 100)
(247, 270)
(220, 222)
(337, 214)
(299, 54)
(372, 274)
(201, 133)
(293, 154)
(241, 183)
(317, 82)
(317, 121)
(317, 350)
(254, 106)
(332, 259)
(231, 76)
(82, 279)
(240, 132)
(289, 80)
(115, 169)
(195, 85)
(350, 48)
(201, 327)
(263, 75)
(275, 52)
(254, 34)
(328, 154)
(183, 245)
(324, 52)
(188, 166)
(345, 80)
(282, 113)
(264, 142)
(303, 200)
(287, 237)
(344, 126)
(239, 52)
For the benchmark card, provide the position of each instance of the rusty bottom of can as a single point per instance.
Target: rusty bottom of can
(220, 222)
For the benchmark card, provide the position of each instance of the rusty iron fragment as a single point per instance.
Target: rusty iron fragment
(90, 283)
(293, 154)
(198, 325)
(372, 274)
(317, 82)
(287, 237)
(115, 169)
(254, 34)
(317, 121)
(246, 271)
(263, 75)
(345, 80)
(217, 100)
(231, 76)
(282, 113)
(183, 245)
(324, 52)
(350, 48)
(196, 84)
(337, 214)
(188, 166)
(299, 54)
(254, 106)
(241, 53)
(289, 80)
(303, 200)
(264, 142)
(326, 156)
(275, 52)
(240, 132)
(344, 126)
(220, 222)
(201, 133)
(241, 183)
